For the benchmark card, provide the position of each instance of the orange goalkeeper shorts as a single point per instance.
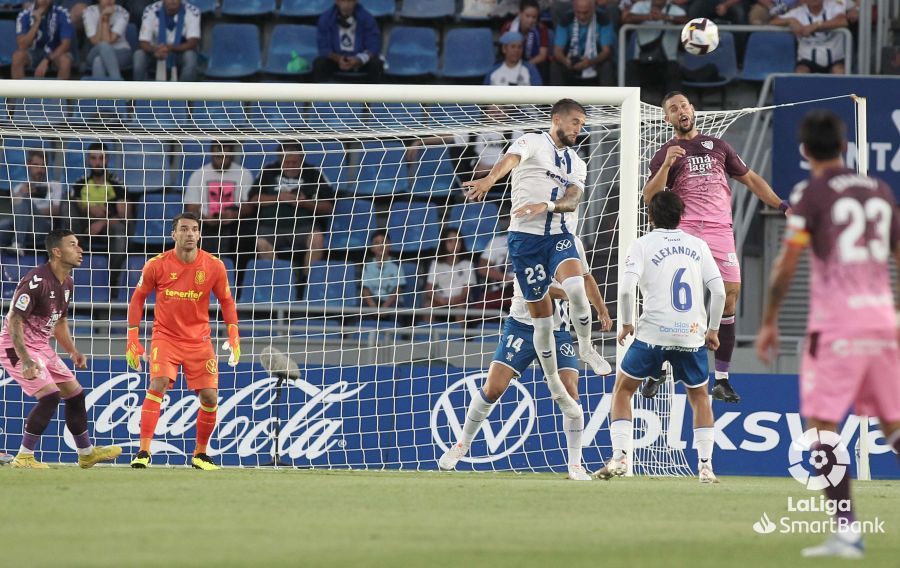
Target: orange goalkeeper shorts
(198, 361)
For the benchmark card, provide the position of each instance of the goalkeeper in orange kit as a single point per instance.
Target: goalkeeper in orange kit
(182, 278)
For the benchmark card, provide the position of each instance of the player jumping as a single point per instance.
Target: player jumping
(39, 308)
(696, 167)
(850, 224)
(515, 353)
(182, 278)
(672, 269)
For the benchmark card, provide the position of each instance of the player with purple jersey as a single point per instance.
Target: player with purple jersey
(697, 168)
(851, 358)
(38, 311)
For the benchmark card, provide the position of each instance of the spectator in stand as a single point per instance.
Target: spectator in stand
(583, 46)
(496, 272)
(43, 39)
(349, 41)
(819, 48)
(293, 202)
(537, 36)
(174, 50)
(450, 277)
(136, 9)
(34, 203)
(512, 70)
(218, 193)
(656, 57)
(763, 11)
(382, 276)
(98, 208)
(104, 26)
(731, 10)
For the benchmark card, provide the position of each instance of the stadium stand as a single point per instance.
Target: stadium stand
(413, 227)
(411, 52)
(333, 284)
(304, 8)
(767, 53)
(428, 9)
(247, 8)
(268, 281)
(723, 59)
(468, 53)
(235, 51)
(352, 222)
(292, 49)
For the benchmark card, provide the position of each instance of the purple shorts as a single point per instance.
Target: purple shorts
(53, 369)
(720, 239)
(841, 370)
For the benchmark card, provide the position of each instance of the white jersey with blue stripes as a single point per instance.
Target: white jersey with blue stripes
(543, 174)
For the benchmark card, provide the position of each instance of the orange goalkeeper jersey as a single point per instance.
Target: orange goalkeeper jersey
(182, 296)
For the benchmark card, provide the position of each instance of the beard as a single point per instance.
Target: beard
(98, 173)
(566, 141)
(684, 129)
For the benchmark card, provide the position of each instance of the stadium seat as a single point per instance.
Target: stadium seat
(131, 34)
(409, 286)
(218, 115)
(255, 154)
(428, 9)
(305, 8)
(413, 227)
(328, 157)
(133, 267)
(268, 282)
(395, 115)
(247, 8)
(411, 52)
(380, 8)
(723, 58)
(332, 284)
(768, 53)
(92, 279)
(144, 166)
(153, 217)
(99, 111)
(235, 51)
(335, 116)
(433, 172)
(14, 153)
(457, 115)
(159, 114)
(205, 6)
(382, 169)
(272, 115)
(352, 222)
(292, 50)
(477, 223)
(468, 53)
(13, 269)
(7, 42)
(38, 112)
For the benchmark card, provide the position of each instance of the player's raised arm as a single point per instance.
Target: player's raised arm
(146, 284)
(659, 171)
(478, 188)
(596, 298)
(761, 189)
(229, 313)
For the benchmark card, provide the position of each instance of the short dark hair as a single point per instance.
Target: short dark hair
(185, 215)
(823, 134)
(665, 210)
(566, 106)
(97, 147)
(54, 239)
(290, 147)
(226, 145)
(670, 95)
(378, 233)
(36, 153)
(529, 4)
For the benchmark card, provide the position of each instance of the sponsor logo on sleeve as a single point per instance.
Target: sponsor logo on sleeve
(23, 301)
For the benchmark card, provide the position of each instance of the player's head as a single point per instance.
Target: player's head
(62, 247)
(529, 12)
(37, 166)
(679, 112)
(568, 117)
(222, 154)
(823, 135)
(291, 159)
(186, 231)
(665, 210)
(96, 159)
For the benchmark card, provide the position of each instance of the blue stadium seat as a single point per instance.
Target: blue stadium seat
(328, 157)
(154, 215)
(288, 40)
(191, 157)
(272, 115)
(131, 34)
(14, 153)
(380, 8)
(411, 51)
(468, 53)
(218, 115)
(133, 267)
(477, 223)
(305, 8)
(254, 155)
(352, 222)
(413, 227)
(235, 51)
(92, 279)
(39, 112)
(13, 269)
(428, 9)
(205, 6)
(433, 172)
(382, 170)
(7, 42)
(395, 115)
(144, 166)
(768, 53)
(99, 111)
(268, 282)
(247, 8)
(335, 116)
(444, 115)
(723, 58)
(163, 115)
(409, 286)
(332, 284)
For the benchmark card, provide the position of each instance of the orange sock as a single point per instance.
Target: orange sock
(149, 417)
(206, 423)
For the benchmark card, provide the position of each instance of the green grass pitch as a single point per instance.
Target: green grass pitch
(114, 516)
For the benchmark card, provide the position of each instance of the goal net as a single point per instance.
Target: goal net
(349, 247)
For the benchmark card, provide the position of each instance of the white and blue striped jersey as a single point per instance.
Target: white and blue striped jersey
(518, 310)
(543, 174)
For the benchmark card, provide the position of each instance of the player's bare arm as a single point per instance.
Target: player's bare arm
(565, 204)
(779, 284)
(17, 334)
(478, 188)
(64, 337)
(596, 298)
(760, 188)
(657, 183)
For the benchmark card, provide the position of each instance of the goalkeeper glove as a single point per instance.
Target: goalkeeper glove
(233, 345)
(134, 350)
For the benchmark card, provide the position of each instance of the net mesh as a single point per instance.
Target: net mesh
(390, 341)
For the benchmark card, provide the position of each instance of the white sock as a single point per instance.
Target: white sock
(703, 442)
(620, 433)
(478, 411)
(573, 425)
(85, 451)
(23, 451)
(721, 375)
(579, 309)
(545, 345)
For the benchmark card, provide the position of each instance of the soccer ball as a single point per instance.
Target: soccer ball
(700, 36)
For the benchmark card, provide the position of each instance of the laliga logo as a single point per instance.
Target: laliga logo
(829, 467)
(444, 408)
